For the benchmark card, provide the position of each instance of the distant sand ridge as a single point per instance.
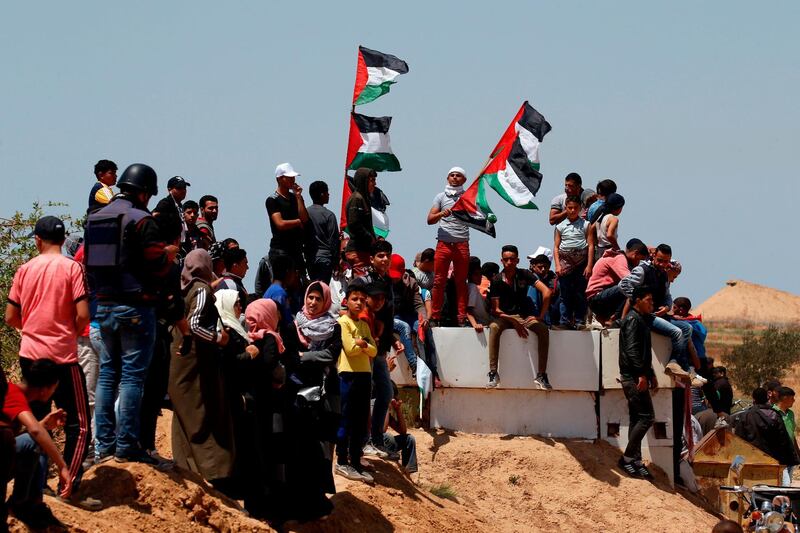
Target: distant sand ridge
(742, 302)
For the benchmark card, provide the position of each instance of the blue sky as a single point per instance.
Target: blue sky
(689, 106)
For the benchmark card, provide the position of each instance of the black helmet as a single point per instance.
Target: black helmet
(139, 177)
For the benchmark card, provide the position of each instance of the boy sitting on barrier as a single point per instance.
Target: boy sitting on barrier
(510, 308)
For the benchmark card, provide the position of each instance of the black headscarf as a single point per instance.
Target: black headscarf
(361, 183)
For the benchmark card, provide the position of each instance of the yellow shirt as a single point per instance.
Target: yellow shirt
(353, 358)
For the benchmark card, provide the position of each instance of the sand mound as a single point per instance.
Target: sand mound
(741, 302)
(495, 483)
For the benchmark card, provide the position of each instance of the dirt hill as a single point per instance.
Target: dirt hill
(745, 303)
(492, 483)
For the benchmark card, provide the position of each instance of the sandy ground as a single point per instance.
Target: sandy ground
(498, 483)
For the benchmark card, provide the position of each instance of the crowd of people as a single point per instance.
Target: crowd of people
(276, 390)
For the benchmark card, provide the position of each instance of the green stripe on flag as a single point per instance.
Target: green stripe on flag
(371, 92)
(495, 184)
(379, 162)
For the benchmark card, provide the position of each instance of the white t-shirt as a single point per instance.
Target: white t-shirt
(477, 305)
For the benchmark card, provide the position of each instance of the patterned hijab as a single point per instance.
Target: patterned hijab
(319, 326)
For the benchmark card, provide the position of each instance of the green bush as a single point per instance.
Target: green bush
(15, 249)
(760, 357)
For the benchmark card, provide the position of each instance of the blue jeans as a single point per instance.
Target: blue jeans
(382, 391)
(406, 445)
(608, 302)
(680, 333)
(573, 297)
(30, 466)
(129, 337)
(403, 328)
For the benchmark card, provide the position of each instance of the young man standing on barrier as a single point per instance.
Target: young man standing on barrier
(637, 378)
(452, 247)
(510, 308)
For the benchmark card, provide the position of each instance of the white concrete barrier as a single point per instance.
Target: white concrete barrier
(573, 361)
(657, 444)
(568, 414)
(583, 367)
(662, 348)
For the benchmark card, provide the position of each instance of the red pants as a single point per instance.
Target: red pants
(458, 254)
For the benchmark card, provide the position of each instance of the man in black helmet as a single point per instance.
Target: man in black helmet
(126, 262)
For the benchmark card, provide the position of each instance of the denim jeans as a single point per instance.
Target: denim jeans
(129, 336)
(680, 333)
(403, 328)
(573, 296)
(382, 391)
(406, 445)
(608, 302)
(30, 466)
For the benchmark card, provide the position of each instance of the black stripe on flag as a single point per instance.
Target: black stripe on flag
(372, 124)
(480, 224)
(534, 122)
(518, 160)
(373, 58)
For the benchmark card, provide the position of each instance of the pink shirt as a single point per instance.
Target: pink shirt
(46, 289)
(607, 272)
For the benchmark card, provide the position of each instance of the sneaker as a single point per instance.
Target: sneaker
(642, 470)
(374, 451)
(720, 423)
(86, 503)
(628, 467)
(542, 382)
(494, 380)
(390, 455)
(674, 369)
(101, 458)
(145, 458)
(348, 472)
(366, 477)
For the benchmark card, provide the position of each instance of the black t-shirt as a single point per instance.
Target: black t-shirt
(514, 297)
(290, 241)
(169, 218)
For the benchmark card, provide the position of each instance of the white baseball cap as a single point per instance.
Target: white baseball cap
(542, 251)
(285, 169)
(459, 170)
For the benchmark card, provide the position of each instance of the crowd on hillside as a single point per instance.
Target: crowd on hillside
(276, 390)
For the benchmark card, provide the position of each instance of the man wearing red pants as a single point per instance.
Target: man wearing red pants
(452, 247)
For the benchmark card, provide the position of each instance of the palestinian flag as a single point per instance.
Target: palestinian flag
(375, 73)
(368, 145)
(512, 171)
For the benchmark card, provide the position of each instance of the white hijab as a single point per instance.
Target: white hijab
(226, 299)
